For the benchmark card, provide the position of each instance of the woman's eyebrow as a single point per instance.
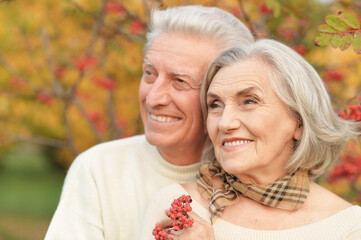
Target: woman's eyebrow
(212, 95)
(247, 90)
(238, 94)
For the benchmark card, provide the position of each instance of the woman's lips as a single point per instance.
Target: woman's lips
(234, 144)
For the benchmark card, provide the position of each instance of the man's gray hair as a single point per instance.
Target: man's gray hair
(304, 93)
(199, 21)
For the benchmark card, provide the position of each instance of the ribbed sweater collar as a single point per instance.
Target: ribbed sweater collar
(177, 173)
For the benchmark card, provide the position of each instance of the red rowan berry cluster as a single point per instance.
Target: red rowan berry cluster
(349, 169)
(180, 219)
(354, 114)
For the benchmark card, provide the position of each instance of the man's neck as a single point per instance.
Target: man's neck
(182, 156)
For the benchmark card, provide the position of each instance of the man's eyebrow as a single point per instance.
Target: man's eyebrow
(146, 61)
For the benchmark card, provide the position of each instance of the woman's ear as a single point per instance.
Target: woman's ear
(298, 132)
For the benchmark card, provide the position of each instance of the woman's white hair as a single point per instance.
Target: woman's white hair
(198, 21)
(302, 90)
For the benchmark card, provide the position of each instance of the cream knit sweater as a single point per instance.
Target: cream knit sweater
(344, 225)
(107, 189)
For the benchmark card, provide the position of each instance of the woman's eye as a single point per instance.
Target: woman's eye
(213, 105)
(250, 101)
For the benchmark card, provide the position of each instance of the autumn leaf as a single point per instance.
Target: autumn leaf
(357, 43)
(336, 23)
(346, 41)
(275, 6)
(323, 39)
(336, 41)
(326, 28)
(350, 20)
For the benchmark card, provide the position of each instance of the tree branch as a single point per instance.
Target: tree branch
(79, 105)
(68, 131)
(57, 87)
(89, 51)
(247, 19)
(146, 8)
(39, 140)
(14, 72)
(30, 53)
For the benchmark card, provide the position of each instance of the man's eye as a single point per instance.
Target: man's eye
(181, 84)
(149, 76)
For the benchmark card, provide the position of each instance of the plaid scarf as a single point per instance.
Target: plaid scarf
(287, 193)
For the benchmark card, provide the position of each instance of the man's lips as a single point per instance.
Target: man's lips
(163, 118)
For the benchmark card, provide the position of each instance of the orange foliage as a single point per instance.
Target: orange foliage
(72, 79)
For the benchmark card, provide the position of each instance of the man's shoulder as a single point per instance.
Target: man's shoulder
(116, 146)
(116, 150)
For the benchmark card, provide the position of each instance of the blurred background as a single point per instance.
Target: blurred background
(70, 69)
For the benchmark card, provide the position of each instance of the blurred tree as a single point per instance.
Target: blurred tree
(70, 69)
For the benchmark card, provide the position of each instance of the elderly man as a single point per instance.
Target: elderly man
(108, 187)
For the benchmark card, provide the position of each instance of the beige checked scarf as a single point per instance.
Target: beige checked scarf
(287, 193)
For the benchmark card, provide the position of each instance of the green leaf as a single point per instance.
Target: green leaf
(357, 43)
(269, 3)
(336, 23)
(275, 5)
(350, 20)
(276, 9)
(336, 41)
(346, 41)
(292, 15)
(323, 39)
(332, 20)
(326, 28)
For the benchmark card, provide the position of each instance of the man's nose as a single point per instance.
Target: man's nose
(159, 93)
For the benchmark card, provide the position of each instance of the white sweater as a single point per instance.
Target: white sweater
(343, 225)
(107, 189)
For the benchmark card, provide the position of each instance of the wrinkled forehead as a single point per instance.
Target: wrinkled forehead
(249, 72)
(182, 53)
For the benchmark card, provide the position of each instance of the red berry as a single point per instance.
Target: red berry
(178, 213)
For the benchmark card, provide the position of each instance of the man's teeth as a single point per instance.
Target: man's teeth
(235, 143)
(163, 119)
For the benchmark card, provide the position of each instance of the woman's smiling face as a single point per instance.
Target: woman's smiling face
(250, 127)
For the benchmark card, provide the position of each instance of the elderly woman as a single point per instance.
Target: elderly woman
(272, 130)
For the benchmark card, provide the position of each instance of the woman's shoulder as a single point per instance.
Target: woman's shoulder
(324, 203)
(192, 189)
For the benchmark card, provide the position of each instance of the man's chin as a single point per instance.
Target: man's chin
(158, 140)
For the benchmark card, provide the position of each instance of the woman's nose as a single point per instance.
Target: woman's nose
(158, 94)
(229, 120)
